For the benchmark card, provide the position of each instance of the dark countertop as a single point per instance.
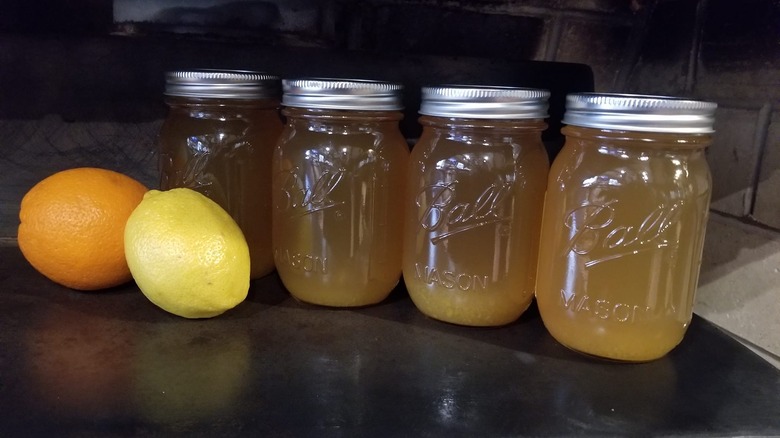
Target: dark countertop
(111, 363)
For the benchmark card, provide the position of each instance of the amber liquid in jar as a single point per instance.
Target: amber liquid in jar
(474, 205)
(338, 194)
(223, 149)
(621, 241)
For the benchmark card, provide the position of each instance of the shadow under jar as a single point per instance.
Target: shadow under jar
(339, 171)
(624, 221)
(474, 203)
(218, 139)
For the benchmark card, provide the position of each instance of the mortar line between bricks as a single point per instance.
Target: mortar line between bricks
(759, 143)
(693, 56)
(554, 39)
(522, 11)
(632, 49)
(8, 241)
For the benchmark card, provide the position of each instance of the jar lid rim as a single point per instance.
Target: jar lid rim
(224, 84)
(342, 93)
(484, 102)
(638, 112)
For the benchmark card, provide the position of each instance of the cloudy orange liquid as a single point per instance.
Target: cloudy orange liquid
(621, 241)
(337, 217)
(474, 202)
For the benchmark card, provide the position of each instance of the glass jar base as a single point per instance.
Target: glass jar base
(336, 304)
(638, 352)
(335, 295)
(468, 318)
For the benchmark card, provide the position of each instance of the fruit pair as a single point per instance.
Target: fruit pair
(91, 229)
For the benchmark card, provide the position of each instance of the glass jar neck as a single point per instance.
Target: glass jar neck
(450, 123)
(178, 101)
(342, 115)
(643, 139)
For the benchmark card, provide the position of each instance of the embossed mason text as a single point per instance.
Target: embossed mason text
(449, 279)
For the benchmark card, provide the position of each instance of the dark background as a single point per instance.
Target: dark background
(81, 81)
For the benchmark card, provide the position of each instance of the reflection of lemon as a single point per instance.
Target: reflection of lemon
(187, 255)
(186, 373)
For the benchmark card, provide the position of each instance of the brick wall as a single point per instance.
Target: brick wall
(82, 85)
(730, 54)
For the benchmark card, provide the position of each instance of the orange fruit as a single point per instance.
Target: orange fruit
(72, 226)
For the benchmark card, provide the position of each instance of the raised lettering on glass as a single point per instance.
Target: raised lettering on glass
(445, 211)
(312, 198)
(595, 227)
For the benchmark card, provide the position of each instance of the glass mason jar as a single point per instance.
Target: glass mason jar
(474, 201)
(624, 220)
(218, 139)
(339, 170)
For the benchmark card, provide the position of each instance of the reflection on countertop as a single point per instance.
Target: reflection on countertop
(111, 363)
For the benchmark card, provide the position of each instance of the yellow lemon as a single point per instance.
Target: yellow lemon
(186, 254)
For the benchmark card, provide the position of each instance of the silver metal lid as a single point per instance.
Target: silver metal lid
(221, 84)
(344, 94)
(484, 102)
(632, 112)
